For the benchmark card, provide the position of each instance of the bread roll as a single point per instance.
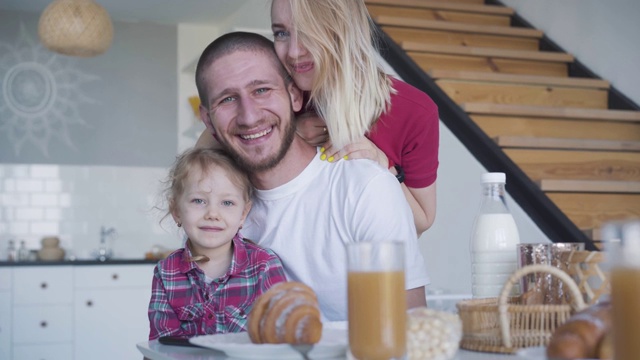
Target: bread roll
(580, 336)
(286, 313)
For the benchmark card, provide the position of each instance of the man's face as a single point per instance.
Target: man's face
(250, 109)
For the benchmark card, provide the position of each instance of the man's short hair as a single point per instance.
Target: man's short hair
(230, 43)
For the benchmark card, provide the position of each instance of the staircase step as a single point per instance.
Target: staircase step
(463, 91)
(589, 186)
(506, 31)
(546, 56)
(443, 12)
(430, 61)
(440, 37)
(462, 1)
(577, 165)
(470, 7)
(569, 144)
(496, 125)
(592, 210)
(551, 112)
(556, 81)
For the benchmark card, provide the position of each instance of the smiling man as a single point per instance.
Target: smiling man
(304, 209)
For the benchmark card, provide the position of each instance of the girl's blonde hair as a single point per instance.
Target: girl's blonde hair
(205, 160)
(350, 89)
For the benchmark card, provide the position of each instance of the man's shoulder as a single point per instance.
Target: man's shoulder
(358, 172)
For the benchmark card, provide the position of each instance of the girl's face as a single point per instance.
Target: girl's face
(211, 210)
(291, 53)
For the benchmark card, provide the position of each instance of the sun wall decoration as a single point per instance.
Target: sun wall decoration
(41, 94)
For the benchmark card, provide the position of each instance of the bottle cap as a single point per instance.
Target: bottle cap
(494, 177)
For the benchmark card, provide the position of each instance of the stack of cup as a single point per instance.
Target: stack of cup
(543, 288)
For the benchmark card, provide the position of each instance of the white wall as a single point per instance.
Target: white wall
(601, 34)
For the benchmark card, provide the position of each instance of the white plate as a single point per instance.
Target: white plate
(535, 353)
(333, 344)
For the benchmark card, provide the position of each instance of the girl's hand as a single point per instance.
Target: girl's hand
(362, 149)
(312, 129)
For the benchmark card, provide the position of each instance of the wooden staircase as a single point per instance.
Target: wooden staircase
(520, 103)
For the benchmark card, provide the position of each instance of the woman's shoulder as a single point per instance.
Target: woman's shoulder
(406, 93)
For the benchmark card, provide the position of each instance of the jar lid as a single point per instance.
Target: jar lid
(494, 177)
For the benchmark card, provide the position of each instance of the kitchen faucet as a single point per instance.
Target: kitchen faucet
(104, 253)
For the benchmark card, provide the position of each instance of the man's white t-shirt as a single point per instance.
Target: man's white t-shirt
(308, 221)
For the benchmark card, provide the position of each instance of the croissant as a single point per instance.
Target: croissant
(584, 335)
(286, 313)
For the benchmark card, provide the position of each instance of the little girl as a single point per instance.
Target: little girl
(210, 285)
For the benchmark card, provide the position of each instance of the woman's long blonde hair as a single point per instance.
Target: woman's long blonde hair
(350, 89)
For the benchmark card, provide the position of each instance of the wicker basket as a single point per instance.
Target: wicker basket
(502, 325)
(586, 268)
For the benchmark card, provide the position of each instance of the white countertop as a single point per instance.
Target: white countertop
(155, 351)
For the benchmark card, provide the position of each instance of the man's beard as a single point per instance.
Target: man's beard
(266, 164)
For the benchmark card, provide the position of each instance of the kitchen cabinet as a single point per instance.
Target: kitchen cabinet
(42, 312)
(111, 305)
(5, 313)
(65, 312)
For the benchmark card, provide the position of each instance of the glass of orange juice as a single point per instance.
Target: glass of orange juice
(377, 300)
(623, 241)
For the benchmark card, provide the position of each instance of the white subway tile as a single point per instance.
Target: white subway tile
(45, 171)
(53, 186)
(53, 214)
(19, 228)
(9, 214)
(26, 185)
(45, 228)
(10, 185)
(44, 200)
(27, 214)
(19, 171)
(15, 199)
(65, 200)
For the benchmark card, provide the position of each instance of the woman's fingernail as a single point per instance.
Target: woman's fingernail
(323, 157)
(322, 149)
(331, 159)
(346, 157)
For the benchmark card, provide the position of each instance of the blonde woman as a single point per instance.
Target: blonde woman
(354, 110)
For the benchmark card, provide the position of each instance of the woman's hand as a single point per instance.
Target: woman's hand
(312, 129)
(362, 149)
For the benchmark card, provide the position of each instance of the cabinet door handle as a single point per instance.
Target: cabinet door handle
(114, 276)
(89, 303)
(43, 324)
(43, 285)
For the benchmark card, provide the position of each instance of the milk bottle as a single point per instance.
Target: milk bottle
(493, 240)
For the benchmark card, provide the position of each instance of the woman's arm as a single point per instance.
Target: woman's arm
(423, 205)
(421, 200)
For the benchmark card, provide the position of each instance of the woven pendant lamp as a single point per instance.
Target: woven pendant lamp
(76, 27)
